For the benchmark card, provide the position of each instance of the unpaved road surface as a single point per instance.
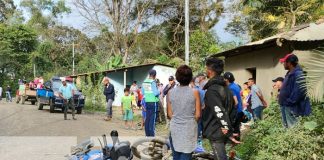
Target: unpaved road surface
(29, 133)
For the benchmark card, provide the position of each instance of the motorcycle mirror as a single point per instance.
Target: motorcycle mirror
(114, 136)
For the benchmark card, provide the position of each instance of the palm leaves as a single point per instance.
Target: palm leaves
(315, 74)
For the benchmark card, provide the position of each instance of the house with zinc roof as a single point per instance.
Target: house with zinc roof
(260, 59)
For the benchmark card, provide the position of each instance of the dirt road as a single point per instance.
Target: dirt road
(23, 125)
(26, 120)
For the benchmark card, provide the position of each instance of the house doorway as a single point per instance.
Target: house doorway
(252, 71)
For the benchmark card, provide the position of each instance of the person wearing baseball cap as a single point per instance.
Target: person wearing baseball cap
(151, 98)
(66, 92)
(293, 98)
(236, 90)
(277, 83)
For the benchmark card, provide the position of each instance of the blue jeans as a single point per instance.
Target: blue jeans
(290, 118)
(257, 113)
(283, 117)
(151, 108)
(8, 96)
(179, 155)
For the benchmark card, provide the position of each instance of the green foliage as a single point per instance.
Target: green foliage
(315, 74)
(202, 45)
(7, 9)
(272, 16)
(269, 140)
(95, 100)
(17, 44)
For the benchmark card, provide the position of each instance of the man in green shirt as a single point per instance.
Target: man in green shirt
(127, 110)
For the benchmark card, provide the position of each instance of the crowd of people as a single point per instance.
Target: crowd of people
(210, 105)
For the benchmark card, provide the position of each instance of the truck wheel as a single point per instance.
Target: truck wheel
(40, 106)
(33, 102)
(79, 110)
(52, 107)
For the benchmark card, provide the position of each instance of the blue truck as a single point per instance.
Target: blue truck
(50, 96)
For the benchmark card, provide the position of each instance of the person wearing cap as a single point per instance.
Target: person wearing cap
(66, 92)
(293, 97)
(236, 90)
(171, 85)
(151, 98)
(277, 83)
(109, 92)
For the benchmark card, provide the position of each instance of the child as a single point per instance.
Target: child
(134, 103)
(127, 110)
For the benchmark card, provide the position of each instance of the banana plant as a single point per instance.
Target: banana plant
(315, 74)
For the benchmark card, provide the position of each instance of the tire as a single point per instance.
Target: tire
(79, 111)
(40, 106)
(33, 102)
(52, 107)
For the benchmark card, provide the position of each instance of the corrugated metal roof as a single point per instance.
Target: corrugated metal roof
(309, 32)
(314, 32)
(120, 69)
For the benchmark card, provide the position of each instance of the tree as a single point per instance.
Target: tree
(261, 19)
(7, 9)
(204, 15)
(202, 45)
(38, 19)
(122, 18)
(17, 43)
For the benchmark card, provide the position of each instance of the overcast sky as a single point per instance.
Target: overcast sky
(76, 21)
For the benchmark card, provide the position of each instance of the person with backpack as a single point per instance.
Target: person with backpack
(219, 113)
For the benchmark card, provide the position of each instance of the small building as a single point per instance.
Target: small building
(124, 77)
(260, 59)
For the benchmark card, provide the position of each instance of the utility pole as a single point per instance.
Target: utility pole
(34, 68)
(73, 58)
(187, 32)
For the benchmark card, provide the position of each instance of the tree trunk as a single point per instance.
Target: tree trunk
(125, 56)
(293, 20)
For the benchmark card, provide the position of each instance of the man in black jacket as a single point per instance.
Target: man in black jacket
(219, 113)
(109, 92)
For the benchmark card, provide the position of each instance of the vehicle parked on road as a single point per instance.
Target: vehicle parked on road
(50, 96)
(29, 94)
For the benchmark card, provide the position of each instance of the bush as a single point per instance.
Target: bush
(95, 100)
(269, 140)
